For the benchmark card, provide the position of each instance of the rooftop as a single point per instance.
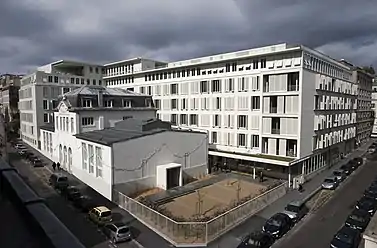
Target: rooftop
(94, 90)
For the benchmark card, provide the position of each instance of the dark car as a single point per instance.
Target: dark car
(257, 240)
(346, 237)
(359, 161)
(367, 204)
(278, 225)
(346, 168)
(84, 203)
(37, 162)
(71, 192)
(358, 219)
(353, 165)
(371, 192)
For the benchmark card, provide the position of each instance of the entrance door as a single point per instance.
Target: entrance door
(172, 177)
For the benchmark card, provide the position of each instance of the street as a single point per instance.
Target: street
(318, 229)
(86, 231)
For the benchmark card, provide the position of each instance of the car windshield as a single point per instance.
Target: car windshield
(337, 173)
(106, 214)
(292, 208)
(329, 180)
(63, 179)
(273, 222)
(344, 238)
(356, 218)
(124, 230)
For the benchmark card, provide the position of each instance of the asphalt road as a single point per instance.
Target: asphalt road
(318, 229)
(87, 232)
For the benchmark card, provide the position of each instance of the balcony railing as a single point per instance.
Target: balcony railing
(275, 131)
(293, 88)
(273, 110)
(291, 153)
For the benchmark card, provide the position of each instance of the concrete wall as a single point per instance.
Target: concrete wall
(167, 147)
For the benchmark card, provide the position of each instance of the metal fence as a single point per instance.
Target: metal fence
(197, 233)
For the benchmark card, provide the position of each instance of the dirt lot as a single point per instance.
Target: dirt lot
(213, 198)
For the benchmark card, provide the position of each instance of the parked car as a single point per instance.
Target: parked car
(359, 161)
(278, 225)
(367, 204)
(58, 181)
(84, 203)
(20, 146)
(100, 215)
(353, 165)
(346, 169)
(330, 183)
(117, 232)
(296, 210)
(257, 240)
(37, 162)
(340, 175)
(371, 192)
(346, 237)
(372, 148)
(22, 152)
(358, 219)
(71, 193)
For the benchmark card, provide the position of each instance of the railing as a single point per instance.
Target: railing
(197, 233)
(293, 87)
(273, 109)
(275, 131)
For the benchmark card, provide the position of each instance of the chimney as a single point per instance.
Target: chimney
(100, 98)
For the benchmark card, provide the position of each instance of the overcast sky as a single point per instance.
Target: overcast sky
(37, 32)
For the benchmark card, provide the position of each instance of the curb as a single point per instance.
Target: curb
(308, 197)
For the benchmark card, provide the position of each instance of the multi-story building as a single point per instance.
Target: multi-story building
(374, 107)
(100, 133)
(365, 114)
(39, 92)
(10, 79)
(265, 107)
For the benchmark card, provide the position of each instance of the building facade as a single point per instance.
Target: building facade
(39, 92)
(265, 107)
(110, 138)
(374, 108)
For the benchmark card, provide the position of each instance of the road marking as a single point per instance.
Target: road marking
(137, 243)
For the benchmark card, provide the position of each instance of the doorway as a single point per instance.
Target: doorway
(172, 177)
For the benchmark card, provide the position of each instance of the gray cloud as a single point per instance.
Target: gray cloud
(35, 32)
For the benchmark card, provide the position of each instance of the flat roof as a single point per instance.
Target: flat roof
(63, 62)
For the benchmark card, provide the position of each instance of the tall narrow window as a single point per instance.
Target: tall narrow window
(84, 156)
(91, 159)
(98, 161)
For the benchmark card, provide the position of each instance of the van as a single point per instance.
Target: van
(100, 215)
(296, 210)
(58, 181)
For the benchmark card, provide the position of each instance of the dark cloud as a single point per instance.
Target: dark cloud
(35, 32)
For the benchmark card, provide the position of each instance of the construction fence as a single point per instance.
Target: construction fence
(197, 233)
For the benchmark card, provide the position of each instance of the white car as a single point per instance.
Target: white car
(330, 183)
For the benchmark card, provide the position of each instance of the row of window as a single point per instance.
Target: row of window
(88, 103)
(65, 124)
(92, 158)
(55, 79)
(242, 139)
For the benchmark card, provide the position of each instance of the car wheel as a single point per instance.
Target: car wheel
(114, 240)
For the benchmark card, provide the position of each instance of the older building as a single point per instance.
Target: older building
(39, 92)
(275, 107)
(10, 84)
(374, 107)
(110, 138)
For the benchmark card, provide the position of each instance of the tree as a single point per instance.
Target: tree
(369, 69)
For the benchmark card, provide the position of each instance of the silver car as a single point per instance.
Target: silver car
(117, 232)
(296, 210)
(330, 183)
(340, 175)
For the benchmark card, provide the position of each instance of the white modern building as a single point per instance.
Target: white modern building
(283, 107)
(110, 138)
(39, 92)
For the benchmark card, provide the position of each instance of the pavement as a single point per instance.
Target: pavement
(90, 236)
(87, 232)
(318, 229)
(13, 223)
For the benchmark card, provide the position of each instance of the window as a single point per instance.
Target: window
(84, 156)
(242, 121)
(91, 159)
(50, 79)
(174, 104)
(45, 117)
(255, 102)
(56, 79)
(216, 86)
(72, 80)
(82, 81)
(127, 103)
(173, 119)
(183, 119)
(255, 64)
(86, 103)
(227, 68)
(242, 139)
(72, 125)
(45, 104)
(263, 63)
(98, 161)
(217, 103)
(204, 87)
(108, 103)
(184, 104)
(254, 140)
(214, 137)
(174, 89)
(126, 117)
(229, 87)
(87, 121)
(194, 119)
(46, 92)
(216, 120)
(157, 103)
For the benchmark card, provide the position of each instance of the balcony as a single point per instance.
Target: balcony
(273, 110)
(275, 131)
